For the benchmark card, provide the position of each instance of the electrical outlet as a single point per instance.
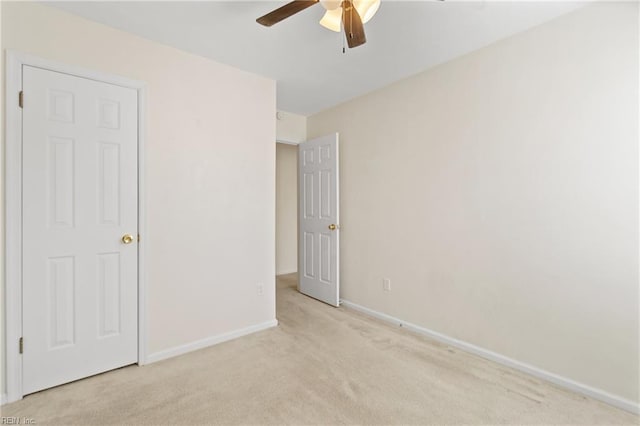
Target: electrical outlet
(260, 289)
(386, 284)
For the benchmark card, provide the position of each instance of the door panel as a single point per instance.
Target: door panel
(318, 210)
(80, 196)
(60, 301)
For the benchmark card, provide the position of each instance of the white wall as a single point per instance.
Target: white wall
(210, 176)
(291, 127)
(499, 193)
(286, 209)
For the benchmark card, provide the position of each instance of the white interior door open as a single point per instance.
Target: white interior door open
(80, 226)
(318, 219)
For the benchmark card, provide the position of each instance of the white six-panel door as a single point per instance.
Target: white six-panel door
(318, 219)
(80, 195)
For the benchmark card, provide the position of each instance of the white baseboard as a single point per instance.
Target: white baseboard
(209, 341)
(286, 273)
(564, 382)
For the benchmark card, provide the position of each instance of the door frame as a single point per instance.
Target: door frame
(13, 207)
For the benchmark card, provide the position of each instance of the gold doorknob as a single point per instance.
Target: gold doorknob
(127, 238)
(333, 227)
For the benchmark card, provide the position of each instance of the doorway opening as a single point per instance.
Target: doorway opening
(286, 209)
(286, 219)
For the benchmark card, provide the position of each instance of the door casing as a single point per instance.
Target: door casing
(13, 207)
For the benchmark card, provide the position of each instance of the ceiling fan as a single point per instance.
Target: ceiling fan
(347, 14)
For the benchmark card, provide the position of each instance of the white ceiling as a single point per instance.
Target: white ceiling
(404, 38)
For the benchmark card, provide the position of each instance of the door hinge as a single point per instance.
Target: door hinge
(21, 99)
(21, 345)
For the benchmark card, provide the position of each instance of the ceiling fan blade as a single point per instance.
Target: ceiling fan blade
(353, 28)
(285, 11)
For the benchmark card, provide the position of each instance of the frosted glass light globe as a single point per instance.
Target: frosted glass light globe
(331, 4)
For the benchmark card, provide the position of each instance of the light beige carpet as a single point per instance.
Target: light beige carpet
(322, 365)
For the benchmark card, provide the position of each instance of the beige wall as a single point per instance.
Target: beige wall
(3, 365)
(286, 208)
(210, 178)
(499, 193)
(291, 127)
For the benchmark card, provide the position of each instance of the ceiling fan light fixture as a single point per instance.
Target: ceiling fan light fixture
(366, 8)
(332, 20)
(348, 16)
